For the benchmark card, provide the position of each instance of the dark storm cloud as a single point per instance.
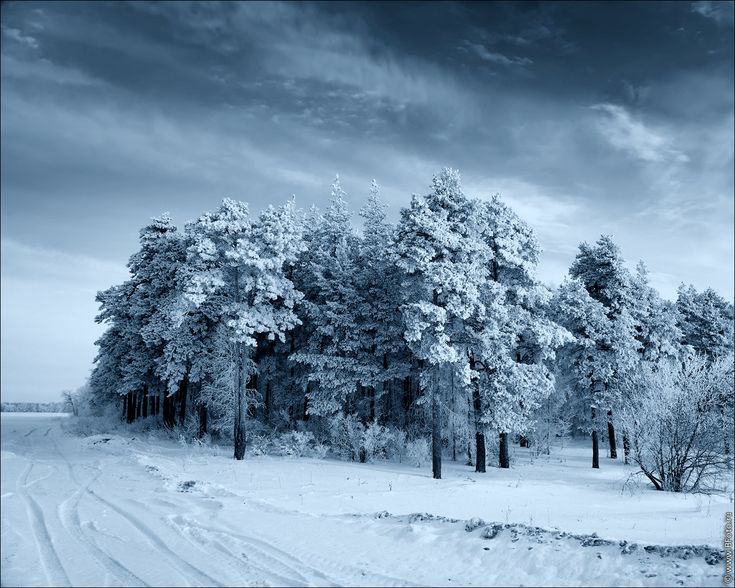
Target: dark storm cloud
(588, 118)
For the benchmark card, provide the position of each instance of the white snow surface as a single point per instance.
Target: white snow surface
(112, 510)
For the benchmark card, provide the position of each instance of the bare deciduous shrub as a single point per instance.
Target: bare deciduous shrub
(675, 424)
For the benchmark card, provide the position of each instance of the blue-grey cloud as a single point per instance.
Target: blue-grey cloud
(587, 118)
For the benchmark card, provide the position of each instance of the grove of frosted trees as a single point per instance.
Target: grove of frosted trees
(432, 334)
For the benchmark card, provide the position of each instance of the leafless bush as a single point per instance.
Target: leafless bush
(675, 424)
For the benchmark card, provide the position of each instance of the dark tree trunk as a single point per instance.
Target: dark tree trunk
(202, 421)
(504, 459)
(611, 436)
(479, 434)
(470, 412)
(306, 407)
(183, 392)
(145, 402)
(240, 403)
(125, 406)
(436, 433)
(169, 414)
(626, 447)
(131, 407)
(138, 404)
(480, 444)
(595, 444)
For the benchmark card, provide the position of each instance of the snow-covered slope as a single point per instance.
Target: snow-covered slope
(113, 510)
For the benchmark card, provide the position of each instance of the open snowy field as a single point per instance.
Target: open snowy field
(111, 510)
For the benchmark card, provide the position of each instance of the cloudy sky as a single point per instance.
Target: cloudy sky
(587, 118)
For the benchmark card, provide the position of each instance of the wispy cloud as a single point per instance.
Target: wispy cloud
(623, 131)
(19, 37)
(721, 11)
(493, 57)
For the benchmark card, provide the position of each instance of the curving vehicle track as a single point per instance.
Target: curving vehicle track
(113, 511)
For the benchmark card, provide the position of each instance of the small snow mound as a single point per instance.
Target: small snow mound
(491, 531)
(474, 523)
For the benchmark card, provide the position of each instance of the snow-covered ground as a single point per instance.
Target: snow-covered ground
(117, 510)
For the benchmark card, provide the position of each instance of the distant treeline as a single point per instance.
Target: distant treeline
(34, 407)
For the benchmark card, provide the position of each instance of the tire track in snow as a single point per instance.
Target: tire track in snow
(183, 566)
(68, 512)
(341, 568)
(292, 577)
(242, 561)
(29, 432)
(347, 572)
(52, 567)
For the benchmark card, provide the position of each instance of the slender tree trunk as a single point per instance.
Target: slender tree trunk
(125, 406)
(306, 407)
(611, 436)
(145, 402)
(595, 444)
(470, 421)
(131, 407)
(240, 402)
(138, 404)
(183, 393)
(479, 433)
(202, 421)
(626, 447)
(480, 444)
(504, 459)
(168, 412)
(436, 430)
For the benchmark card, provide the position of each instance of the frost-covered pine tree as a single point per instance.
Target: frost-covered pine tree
(134, 310)
(592, 361)
(239, 266)
(155, 267)
(333, 346)
(436, 249)
(512, 338)
(655, 320)
(378, 283)
(601, 269)
(705, 320)
(706, 323)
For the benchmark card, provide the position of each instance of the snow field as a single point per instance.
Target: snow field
(113, 510)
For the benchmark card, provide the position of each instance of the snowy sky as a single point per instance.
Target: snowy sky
(587, 118)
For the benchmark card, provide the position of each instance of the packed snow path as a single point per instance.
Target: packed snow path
(111, 511)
